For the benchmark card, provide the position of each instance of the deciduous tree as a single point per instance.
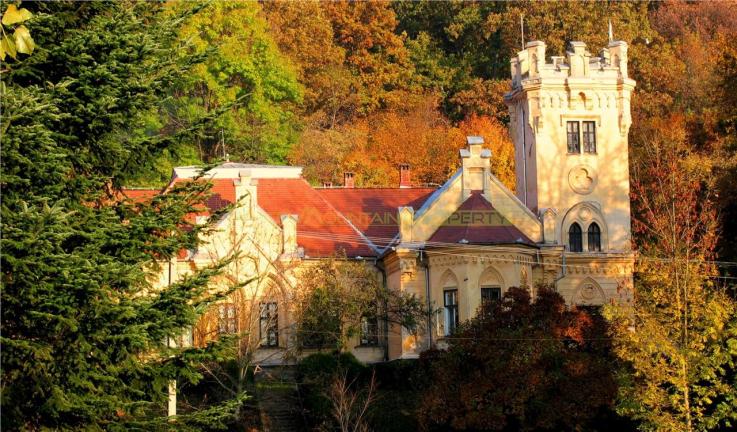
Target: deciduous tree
(679, 335)
(521, 365)
(243, 64)
(335, 296)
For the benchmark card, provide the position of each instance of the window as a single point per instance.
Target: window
(490, 294)
(589, 137)
(575, 240)
(574, 143)
(227, 320)
(594, 237)
(269, 325)
(450, 301)
(369, 330)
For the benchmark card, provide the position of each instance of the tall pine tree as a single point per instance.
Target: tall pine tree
(84, 327)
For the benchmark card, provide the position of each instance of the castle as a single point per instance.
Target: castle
(568, 223)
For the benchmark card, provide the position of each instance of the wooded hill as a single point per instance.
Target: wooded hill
(101, 95)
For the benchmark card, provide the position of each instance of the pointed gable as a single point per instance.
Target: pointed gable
(476, 221)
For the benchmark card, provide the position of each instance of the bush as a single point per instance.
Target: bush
(315, 374)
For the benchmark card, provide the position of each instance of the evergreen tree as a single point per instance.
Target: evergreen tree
(84, 326)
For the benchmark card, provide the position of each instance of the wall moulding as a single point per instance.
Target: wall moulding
(580, 116)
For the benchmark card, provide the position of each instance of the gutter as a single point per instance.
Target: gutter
(380, 265)
(425, 260)
(562, 269)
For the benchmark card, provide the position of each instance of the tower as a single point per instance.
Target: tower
(570, 118)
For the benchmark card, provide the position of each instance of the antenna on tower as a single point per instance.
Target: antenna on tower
(222, 144)
(522, 28)
(611, 33)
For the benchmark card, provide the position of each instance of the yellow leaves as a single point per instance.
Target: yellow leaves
(21, 40)
(7, 47)
(13, 15)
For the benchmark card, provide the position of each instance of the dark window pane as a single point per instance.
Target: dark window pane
(269, 324)
(450, 301)
(489, 294)
(594, 238)
(227, 320)
(369, 330)
(574, 143)
(589, 137)
(575, 240)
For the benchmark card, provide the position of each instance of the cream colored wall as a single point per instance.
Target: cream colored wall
(513, 210)
(468, 273)
(544, 97)
(595, 280)
(427, 221)
(405, 273)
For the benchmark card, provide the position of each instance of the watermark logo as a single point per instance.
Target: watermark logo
(474, 218)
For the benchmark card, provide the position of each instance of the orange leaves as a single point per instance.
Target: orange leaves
(421, 137)
(497, 139)
(373, 147)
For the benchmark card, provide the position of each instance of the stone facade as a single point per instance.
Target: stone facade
(568, 223)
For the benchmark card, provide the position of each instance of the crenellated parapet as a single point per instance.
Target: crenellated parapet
(530, 64)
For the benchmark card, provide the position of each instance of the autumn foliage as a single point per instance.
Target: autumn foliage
(374, 147)
(521, 365)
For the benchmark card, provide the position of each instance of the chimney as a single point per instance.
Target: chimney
(327, 184)
(405, 177)
(348, 181)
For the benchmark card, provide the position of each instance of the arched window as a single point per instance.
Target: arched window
(594, 237)
(575, 240)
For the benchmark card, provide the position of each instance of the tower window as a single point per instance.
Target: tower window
(269, 325)
(589, 137)
(574, 140)
(450, 301)
(594, 237)
(575, 240)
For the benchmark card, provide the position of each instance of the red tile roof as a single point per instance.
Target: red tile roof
(332, 221)
(374, 211)
(320, 229)
(139, 195)
(477, 222)
(222, 192)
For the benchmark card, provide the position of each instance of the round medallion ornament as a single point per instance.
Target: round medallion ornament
(582, 179)
(588, 291)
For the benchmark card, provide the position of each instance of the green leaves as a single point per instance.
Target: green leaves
(21, 41)
(85, 314)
